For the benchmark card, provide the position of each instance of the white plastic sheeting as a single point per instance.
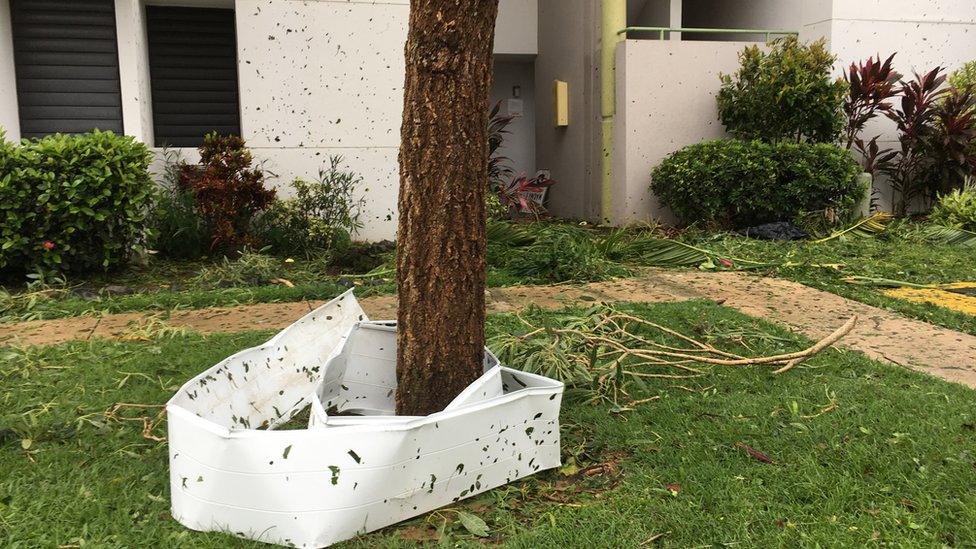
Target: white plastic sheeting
(230, 471)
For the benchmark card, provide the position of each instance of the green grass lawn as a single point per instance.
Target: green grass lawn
(862, 453)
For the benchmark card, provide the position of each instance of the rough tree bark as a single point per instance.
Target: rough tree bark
(443, 177)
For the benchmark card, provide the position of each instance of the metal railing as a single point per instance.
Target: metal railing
(662, 30)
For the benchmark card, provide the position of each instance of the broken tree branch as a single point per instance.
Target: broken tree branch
(821, 345)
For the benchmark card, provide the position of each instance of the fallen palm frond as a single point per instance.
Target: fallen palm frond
(609, 353)
(651, 251)
(564, 253)
(885, 282)
(648, 249)
(508, 234)
(869, 227)
(950, 236)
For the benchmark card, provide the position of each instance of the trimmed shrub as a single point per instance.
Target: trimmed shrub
(73, 203)
(734, 184)
(713, 181)
(816, 177)
(784, 94)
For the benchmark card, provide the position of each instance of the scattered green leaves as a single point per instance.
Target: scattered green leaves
(473, 524)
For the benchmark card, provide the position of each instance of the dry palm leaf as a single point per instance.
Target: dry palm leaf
(885, 282)
(868, 227)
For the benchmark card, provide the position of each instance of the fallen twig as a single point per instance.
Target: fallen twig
(755, 454)
(149, 424)
(821, 345)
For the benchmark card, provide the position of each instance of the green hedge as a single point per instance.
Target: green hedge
(72, 203)
(736, 184)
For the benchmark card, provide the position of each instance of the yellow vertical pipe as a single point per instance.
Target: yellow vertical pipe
(614, 19)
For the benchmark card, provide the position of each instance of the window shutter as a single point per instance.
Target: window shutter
(193, 67)
(67, 66)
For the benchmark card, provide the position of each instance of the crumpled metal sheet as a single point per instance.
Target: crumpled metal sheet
(345, 475)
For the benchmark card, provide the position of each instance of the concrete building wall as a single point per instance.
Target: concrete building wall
(569, 51)
(662, 106)
(9, 118)
(517, 27)
(519, 144)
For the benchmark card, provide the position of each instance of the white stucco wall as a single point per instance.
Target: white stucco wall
(925, 33)
(517, 27)
(9, 119)
(662, 105)
(319, 78)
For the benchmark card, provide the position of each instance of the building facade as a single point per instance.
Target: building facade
(301, 80)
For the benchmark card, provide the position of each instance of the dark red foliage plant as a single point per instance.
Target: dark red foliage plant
(950, 151)
(871, 84)
(227, 190)
(914, 117)
(498, 166)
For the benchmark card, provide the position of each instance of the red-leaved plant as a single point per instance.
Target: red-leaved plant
(915, 118)
(524, 195)
(950, 152)
(498, 168)
(871, 84)
(227, 191)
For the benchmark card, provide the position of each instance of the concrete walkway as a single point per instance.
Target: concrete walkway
(881, 334)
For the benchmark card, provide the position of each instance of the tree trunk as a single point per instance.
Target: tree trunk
(443, 177)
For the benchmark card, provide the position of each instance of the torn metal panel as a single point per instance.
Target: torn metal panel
(346, 474)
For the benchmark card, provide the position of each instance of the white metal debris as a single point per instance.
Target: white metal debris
(231, 471)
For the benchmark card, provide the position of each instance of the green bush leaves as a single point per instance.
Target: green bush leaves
(957, 209)
(72, 203)
(737, 184)
(786, 93)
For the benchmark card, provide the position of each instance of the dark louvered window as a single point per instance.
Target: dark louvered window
(193, 69)
(67, 64)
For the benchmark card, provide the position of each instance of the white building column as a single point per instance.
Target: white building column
(9, 116)
(130, 25)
